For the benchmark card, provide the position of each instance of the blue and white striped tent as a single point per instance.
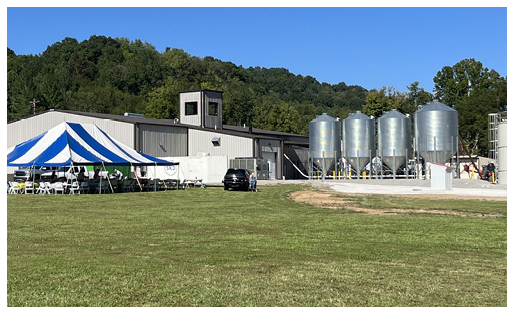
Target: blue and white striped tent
(77, 144)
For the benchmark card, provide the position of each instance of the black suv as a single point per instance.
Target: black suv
(237, 178)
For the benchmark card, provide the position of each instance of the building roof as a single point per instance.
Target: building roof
(200, 90)
(227, 129)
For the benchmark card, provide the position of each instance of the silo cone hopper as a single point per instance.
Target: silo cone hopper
(394, 162)
(358, 163)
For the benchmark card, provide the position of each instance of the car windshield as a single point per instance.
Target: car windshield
(236, 172)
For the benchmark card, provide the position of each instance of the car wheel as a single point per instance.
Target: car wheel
(225, 187)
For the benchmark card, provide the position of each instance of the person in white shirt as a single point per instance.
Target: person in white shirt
(118, 174)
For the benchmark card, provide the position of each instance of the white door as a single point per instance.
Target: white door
(271, 163)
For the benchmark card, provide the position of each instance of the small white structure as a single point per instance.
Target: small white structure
(440, 176)
(208, 169)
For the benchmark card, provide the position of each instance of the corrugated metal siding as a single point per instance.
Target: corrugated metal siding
(213, 121)
(191, 120)
(232, 146)
(163, 141)
(25, 129)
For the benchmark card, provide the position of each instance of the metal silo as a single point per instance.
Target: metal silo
(394, 139)
(325, 141)
(436, 132)
(358, 140)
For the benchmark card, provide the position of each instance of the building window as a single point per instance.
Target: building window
(191, 108)
(213, 108)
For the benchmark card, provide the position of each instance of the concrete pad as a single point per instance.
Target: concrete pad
(460, 187)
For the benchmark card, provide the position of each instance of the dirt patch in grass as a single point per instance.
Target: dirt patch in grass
(337, 200)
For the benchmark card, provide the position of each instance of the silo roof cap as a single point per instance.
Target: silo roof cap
(357, 115)
(324, 117)
(435, 106)
(393, 114)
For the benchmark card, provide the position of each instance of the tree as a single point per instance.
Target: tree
(239, 101)
(163, 101)
(20, 85)
(277, 115)
(380, 101)
(415, 97)
(475, 92)
(453, 83)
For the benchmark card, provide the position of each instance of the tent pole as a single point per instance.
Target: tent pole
(72, 172)
(137, 179)
(155, 177)
(100, 183)
(33, 177)
(108, 179)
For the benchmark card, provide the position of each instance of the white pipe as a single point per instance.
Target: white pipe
(296, 167)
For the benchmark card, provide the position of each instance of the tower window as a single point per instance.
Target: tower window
(213, 108)
(191, 108)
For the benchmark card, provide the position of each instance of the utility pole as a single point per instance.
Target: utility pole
(34, 102)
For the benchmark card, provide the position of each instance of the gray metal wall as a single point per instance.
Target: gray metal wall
(200, 141)
(162, 141)
(214, 122)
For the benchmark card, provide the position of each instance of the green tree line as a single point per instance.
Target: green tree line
(115, 75)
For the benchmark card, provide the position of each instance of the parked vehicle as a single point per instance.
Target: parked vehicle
(237, 179)
(30, 173)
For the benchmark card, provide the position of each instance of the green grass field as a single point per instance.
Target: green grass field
(210, 247)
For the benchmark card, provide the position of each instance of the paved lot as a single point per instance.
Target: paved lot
(460, 187)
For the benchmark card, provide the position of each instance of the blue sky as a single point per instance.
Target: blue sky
(370, 47)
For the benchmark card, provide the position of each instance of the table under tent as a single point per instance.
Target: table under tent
(73, 144)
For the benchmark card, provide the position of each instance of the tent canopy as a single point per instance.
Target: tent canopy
(78, 144)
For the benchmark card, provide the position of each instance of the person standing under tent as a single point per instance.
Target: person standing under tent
(96, 176)
(81, 177)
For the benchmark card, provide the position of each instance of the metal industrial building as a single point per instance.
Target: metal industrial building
(198, 131)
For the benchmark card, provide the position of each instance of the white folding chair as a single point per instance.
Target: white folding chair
(42, 188)
(14, 188)
(58, 188)
(29, 187)
(47, 188)
(75, 188)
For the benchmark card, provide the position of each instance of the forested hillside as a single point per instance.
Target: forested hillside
(115, 75)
